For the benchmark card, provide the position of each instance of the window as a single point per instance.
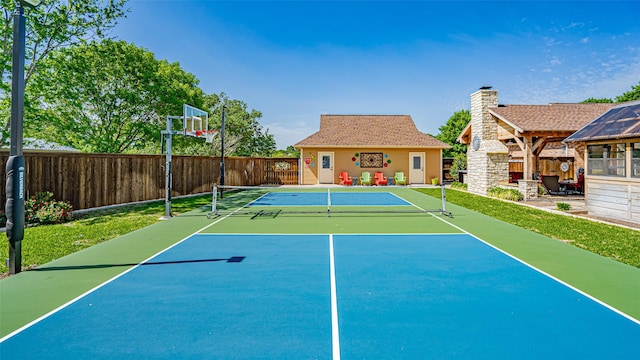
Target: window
(326, 162)
(607, 160)
(635, 160)
(417, 162)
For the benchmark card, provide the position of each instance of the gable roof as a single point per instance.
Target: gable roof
(551, 117)
(369, 131)
(622, 121)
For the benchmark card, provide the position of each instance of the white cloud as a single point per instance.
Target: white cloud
(575, 25)
(555, 61)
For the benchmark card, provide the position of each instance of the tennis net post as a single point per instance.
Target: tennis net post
(443, 196)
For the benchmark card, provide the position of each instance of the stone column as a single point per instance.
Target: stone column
(529, 188)
(487, 157)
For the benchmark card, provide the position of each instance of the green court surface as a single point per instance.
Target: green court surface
(33, 294)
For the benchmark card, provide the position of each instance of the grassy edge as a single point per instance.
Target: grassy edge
(614, 242)
(43, 244)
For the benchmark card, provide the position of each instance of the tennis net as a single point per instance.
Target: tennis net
(275, 201)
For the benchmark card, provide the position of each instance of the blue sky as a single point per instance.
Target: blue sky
(296, 60)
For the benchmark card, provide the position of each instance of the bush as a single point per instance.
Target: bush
(541, 190)
(459, 163)
(563, 206)
(505, 194)
(44, 209)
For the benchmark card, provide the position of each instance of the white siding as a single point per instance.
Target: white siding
(634, 199)
(614, 199)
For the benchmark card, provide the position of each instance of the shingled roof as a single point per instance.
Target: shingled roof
(369, 131)
(552, 117)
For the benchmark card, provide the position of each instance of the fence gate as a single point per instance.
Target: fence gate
(281, 171)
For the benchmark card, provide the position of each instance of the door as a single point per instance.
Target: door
(416, 168)
(325, 169)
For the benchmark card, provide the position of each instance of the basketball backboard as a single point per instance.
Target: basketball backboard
(195, 122)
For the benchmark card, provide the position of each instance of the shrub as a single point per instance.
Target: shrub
(44, 209)
(459, 163)
(541, 190)
(505, 194)
(563, 206)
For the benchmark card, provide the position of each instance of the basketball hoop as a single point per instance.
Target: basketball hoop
(208, 135)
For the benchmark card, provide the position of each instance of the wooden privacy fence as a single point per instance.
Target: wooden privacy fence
(93, 180)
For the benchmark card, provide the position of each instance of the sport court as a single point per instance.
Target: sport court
(324, 281)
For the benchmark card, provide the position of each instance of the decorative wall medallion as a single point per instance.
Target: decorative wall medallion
(475, 143)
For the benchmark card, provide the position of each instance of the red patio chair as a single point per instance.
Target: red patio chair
(380, 179)
(578, 187)
(345, 179)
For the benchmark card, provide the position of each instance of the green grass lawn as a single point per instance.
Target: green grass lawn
(43, 244)
(615, 242)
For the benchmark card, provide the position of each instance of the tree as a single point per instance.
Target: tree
(108, 96)
(290, 151)
(51, 26)
(451, 130)
(594, 100)
(244, 136)
(633, 94)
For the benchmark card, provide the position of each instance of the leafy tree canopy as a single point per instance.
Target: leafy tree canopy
(244, 136)
(450, 131)
(290, 151)
(594, 100)
(108, 96)
(51, 26)
(631, 95)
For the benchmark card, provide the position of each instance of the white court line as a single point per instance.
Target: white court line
(59, 308)
(335, 332)
(602, 303)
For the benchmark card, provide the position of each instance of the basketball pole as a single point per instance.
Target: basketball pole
(168, 182)
(168, 170)
(15, 185)
(222, 150)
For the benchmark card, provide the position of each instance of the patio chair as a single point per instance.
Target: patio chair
(345, 179)
(380, 179)
(552, 185)
(578, 186)
(400, 179)
(365, 179)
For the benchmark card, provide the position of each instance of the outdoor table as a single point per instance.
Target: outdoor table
(566, 185)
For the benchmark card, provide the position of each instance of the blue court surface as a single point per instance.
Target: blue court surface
(412, 296)
(332, 198)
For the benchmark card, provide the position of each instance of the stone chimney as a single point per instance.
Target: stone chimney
(487, 157)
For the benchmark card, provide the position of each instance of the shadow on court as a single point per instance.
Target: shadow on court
(233, 259)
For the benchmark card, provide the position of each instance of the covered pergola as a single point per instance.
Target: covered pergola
(531, 127)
